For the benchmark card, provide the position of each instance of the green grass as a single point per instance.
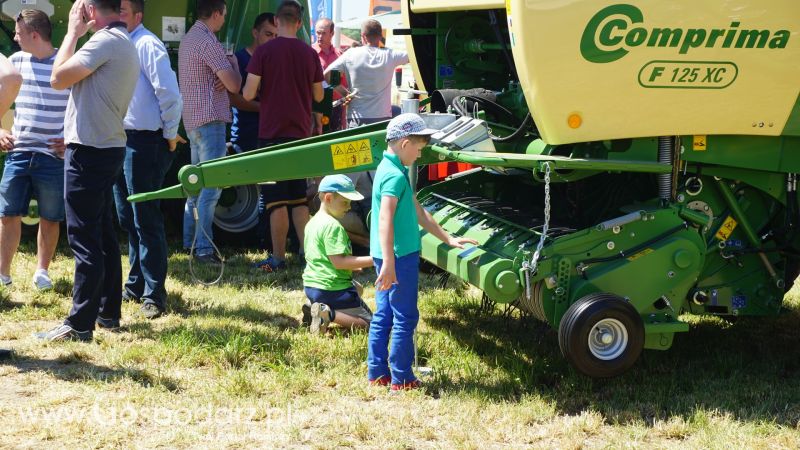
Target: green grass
(229, 366)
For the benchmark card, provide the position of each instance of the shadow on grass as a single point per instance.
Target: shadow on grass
(229, 346)
(42, 299)
(176, 304)
(75, 367)
(748, 370)
(6, 302)
(238, 272)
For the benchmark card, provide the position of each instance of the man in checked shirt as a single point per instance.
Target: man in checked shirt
(206, 111)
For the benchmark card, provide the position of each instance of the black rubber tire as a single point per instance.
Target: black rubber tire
(580, 319)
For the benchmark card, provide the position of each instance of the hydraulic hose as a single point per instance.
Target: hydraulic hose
(517, 133)
(494, 108)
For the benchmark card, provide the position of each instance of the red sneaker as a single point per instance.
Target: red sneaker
(381, 381)
(416, 384)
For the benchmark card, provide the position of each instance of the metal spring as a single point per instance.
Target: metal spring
(535, 304)
(665, 148)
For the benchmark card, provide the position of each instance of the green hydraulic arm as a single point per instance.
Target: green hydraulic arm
(528, 161)
(341, 152)
(356, 150)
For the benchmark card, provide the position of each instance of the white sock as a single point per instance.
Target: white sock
(41, 272)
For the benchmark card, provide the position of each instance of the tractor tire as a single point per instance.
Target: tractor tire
(601, 335)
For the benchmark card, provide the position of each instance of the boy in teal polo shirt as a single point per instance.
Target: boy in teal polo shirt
(328, 276)
(394, 246)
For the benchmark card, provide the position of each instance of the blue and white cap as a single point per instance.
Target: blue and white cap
(408, 124)
(342, 185)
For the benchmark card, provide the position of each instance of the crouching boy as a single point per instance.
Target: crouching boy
(328, 276)
(395, 245)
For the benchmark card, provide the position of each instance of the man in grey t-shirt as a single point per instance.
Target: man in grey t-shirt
(369, 69)
(102, 75)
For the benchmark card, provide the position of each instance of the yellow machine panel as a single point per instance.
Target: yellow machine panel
(424, 6)
(594, 70)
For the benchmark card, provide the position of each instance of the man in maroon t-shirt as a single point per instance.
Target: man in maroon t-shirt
(286, 75)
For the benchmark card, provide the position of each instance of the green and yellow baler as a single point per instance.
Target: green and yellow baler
(635, 161)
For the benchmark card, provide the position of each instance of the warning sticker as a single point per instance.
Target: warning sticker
(644, 252)
(351, 154)
(508, 18)
(726, 229)
(699, 143)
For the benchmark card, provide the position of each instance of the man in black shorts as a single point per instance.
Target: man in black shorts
(288, 74)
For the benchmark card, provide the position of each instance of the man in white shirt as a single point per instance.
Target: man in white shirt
(370, 69)
(151, 126)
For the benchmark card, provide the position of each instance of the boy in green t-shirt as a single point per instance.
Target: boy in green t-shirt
(328, 276)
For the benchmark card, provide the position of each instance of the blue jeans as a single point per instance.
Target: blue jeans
(207, 142)
(396, 313)
(147, 159)
(34, 174)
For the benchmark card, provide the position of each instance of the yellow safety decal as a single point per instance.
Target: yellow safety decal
(726, 229)
(644, 252)
(699, 143)
(351, 154)
(508, 8)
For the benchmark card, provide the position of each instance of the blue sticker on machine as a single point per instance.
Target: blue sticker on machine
(446, 71)
(467, 252)
(734, 244)
(739, 301)
(714, 297)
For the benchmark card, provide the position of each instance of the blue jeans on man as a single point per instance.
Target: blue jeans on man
(147, 160)
(29, 174)
(89, 176)
(206, 142)
(396, 313)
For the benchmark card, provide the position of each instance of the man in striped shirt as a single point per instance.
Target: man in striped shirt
(34, 165)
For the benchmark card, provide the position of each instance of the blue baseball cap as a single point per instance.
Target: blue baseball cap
(342, 185)
(408, 124)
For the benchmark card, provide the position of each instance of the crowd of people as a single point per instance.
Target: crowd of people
(95, 124)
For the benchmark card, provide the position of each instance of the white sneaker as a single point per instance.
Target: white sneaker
(320, 318)
(5, 280)
(41, 280)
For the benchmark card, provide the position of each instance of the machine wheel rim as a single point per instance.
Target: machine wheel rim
(240, 215)
(608, 339)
